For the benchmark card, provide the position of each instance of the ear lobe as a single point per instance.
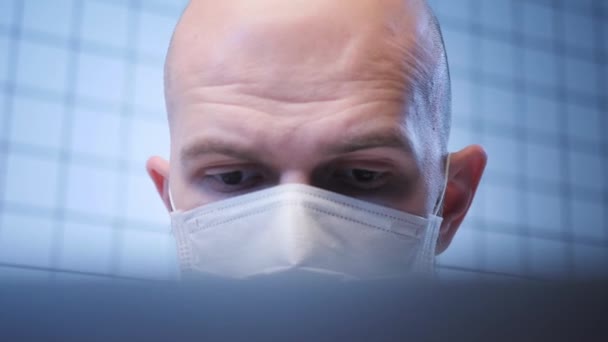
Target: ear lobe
(158, 170)
(466, 169)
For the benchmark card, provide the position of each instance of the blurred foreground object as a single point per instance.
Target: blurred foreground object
(290, 309)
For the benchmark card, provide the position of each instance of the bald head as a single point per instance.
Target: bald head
(351, 96)
(312, 50)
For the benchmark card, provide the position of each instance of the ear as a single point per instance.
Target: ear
(466, 169)
(158, 169)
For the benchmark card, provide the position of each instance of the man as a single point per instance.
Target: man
(311, 135)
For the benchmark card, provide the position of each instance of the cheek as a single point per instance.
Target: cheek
(415, 200)
(407, 196)
(419, 203)
(185, 191)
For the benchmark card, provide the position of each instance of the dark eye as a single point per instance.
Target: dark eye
(232, 178)
(364, 176)
(360, 178)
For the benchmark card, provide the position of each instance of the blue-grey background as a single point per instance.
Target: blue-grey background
(82, 108)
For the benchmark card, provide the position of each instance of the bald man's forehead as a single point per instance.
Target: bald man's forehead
(239, 40)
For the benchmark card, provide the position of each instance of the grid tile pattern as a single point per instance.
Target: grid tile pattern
(82, 109)
(81, 104)
(529, 84)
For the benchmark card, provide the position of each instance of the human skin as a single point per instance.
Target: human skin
(341, 95)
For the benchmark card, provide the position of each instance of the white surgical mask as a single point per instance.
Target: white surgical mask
(301, 228)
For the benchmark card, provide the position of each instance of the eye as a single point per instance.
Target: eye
(232, 180)
(361, 178)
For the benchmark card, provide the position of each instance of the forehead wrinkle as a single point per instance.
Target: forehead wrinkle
(405, 56)
(411, 45)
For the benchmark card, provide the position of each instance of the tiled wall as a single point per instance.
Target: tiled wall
(81, 109)
(529, 82)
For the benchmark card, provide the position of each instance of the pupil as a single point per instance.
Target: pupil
(364, 175)
(232, 178)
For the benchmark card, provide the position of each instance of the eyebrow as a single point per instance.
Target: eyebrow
(214, 146)
(388, 139)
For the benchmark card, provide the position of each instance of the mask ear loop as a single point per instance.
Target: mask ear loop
(439, 204)
(171, 203)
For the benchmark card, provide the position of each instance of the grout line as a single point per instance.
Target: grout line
(65, 155)
(601, 51)
(477, 126)
(131, 60)
(520, 90)
(54, 272)
(564, 144)
(8, 108)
